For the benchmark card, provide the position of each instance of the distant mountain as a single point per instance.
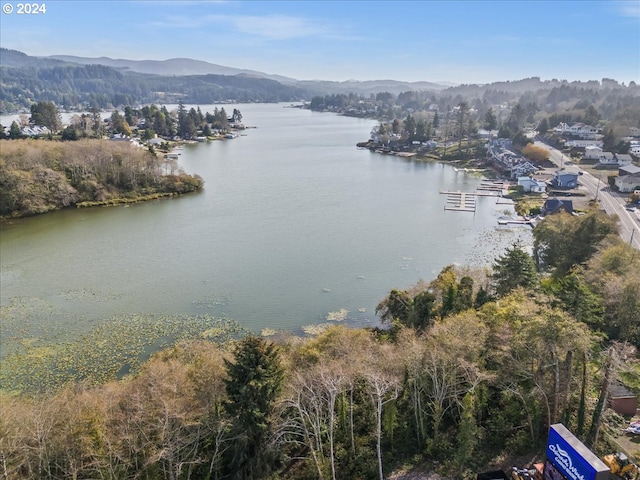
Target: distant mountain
(187, 67)
(171, 67)
(25, 80)
(369, 86)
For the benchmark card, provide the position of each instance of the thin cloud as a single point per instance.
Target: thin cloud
(274, 27)
(629, 8)
(277, 27)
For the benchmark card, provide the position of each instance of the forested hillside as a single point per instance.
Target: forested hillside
(468, 372)
(26, 80)
(37, 176)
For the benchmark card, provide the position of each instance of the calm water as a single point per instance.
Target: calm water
(294, 222)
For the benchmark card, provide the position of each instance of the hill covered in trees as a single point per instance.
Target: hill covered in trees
(25, 80)
(37, 176)
(469, 370)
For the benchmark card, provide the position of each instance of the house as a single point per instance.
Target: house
(488, 134)
(622, 400)
(635, 150)
(530, 185)
(523, 168)
(608, 159)
(555, 205)
(623, 159)
(580, 143)
(583, 131)
(628, 183)
(592, 152)
(564, 179)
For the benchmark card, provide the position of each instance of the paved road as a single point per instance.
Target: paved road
(597, 187)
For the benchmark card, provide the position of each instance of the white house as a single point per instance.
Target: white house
(608, 159)
(635, 150)
(583, 131)
(628, 183)
(592, 152)
(531, 185)
(583, 143)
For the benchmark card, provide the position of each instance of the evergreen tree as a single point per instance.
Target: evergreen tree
(514, 269)
(543, 127)
(436, 121)
(254, 381)
(14, 131)
(46, 114)
(490, 120)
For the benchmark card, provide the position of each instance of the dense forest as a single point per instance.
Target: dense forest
(38, 176)
(467, 371)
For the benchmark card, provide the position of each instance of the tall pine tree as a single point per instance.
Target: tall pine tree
(254, 381)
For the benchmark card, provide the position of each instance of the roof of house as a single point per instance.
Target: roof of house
(617, 390)
(553, 205)
(629, 169)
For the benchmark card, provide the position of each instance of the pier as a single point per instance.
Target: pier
(460, 201)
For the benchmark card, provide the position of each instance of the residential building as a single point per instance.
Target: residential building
(628, 179)
(555, 205)
(608, 159)
(531, 185)
(592, 152)
(564, 179)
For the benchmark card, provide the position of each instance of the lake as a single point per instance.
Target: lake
(294, 222)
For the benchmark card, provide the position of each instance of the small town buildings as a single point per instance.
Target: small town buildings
(577, 130)
(34, 131)
(555, 205)
(531, 185)
(564, 179)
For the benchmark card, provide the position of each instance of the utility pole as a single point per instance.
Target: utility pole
(631, 239)
(598, 188)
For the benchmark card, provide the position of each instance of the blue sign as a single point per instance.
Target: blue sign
(571, 457)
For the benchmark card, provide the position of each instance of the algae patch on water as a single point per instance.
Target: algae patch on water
(118, 345)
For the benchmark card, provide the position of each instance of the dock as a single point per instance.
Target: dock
(517, 221)
(460, 201)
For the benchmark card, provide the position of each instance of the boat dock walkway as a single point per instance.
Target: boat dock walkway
(460, 201)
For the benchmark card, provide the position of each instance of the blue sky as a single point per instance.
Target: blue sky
(458, 41)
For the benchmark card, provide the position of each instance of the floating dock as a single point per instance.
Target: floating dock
(460, 201)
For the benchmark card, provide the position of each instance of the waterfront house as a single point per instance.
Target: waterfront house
(523, 167)
(555, 205)
(531, 185)
(564, 179)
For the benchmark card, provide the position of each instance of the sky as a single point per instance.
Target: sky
(454, 41)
